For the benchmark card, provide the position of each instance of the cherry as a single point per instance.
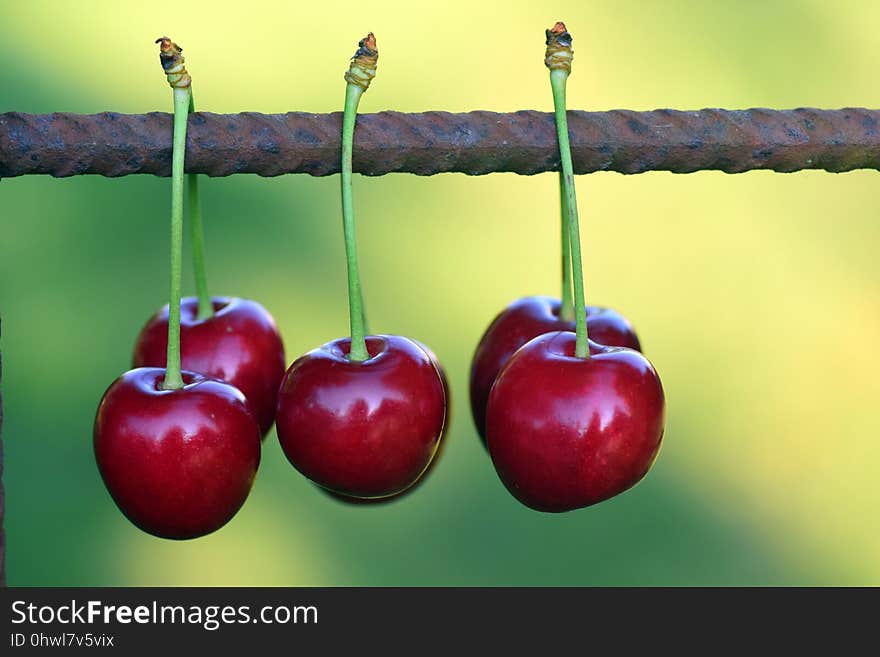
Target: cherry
(523, 320)
(363, 429)
(443, 378)
(177, 450)
(437, 456)
(362, 416)
(239, 344)
(232, 339)
(571, 422)
(178, 463)
(565, 432)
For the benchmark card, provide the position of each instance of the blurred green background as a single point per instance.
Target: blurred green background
(755, 295)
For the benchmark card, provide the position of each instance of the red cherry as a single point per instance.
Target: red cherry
(437, 456)
(445, 381)
(363, 429)
(528, 318)
(178, 463)
(240, 344)
(566, 432)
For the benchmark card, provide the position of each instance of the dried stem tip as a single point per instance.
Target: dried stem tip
(173, 63)
(559, 53)
(363, 63)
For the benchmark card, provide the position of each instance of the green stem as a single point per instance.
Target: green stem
(358, 350)
(173, 380)
(558, 79)
(197, 239)
(566, 309)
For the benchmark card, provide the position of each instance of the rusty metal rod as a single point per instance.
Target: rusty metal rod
(475, 143)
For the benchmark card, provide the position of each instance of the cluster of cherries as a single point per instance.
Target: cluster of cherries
(567, 422)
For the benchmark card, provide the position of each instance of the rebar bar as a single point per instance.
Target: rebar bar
(474, 143)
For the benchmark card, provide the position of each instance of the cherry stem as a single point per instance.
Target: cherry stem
(173, 379)
(558, 78)
(357, 317)
(360, 72)
(566, 308)
(197, 239)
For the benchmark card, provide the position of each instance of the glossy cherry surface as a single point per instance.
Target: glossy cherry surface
(240, 344)
(178, 463)
(364, 429)
(528, 318)
(566, 432)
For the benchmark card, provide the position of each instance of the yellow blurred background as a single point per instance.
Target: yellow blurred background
(755, 295)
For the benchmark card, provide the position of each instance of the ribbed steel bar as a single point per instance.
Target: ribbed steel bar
(475, 143)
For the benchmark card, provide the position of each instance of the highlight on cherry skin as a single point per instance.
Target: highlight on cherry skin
(527, 318)
(566, 432)
(362, 429)
(239, 344)
(178, 463)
